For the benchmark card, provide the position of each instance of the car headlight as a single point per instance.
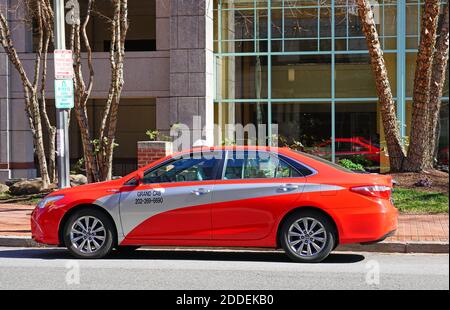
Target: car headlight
(48, 201)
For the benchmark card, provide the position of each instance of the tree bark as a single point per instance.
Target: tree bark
(119, 33)
(51, 130)
(438, 76)
(417, 153)
(38, 10)
(386, 99)
(98, 153)
(83, 93)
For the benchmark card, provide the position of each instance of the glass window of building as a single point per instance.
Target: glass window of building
(303, 67)
(141, 34)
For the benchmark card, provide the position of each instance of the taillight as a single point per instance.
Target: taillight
(374, 191)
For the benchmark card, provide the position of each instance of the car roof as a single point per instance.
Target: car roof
(303, 158)
(232, 148)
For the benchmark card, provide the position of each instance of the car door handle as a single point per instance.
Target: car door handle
(289, 187)
(201, 192)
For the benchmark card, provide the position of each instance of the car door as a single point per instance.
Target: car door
(173, 200)
(255, 188)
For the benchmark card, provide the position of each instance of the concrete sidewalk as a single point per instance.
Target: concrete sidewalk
(416, 233)
(15, 220)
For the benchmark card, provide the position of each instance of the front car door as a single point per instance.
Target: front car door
(173, 200)
(255, 187)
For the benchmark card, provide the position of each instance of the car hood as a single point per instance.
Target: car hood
(87, 187)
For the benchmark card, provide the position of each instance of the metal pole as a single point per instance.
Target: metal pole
(401, 66)
(62, 115)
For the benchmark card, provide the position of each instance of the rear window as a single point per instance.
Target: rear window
(326, 162)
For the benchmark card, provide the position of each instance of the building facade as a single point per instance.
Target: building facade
(300, 66)
(303, 66)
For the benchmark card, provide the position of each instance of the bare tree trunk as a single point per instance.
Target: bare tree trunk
(119, 32)
(438, 76)
(418, 150)
(47, 16)
(51, 130)
(98, 154)
(35, 107)
(83, 92)
(37, 9)
(386, 99)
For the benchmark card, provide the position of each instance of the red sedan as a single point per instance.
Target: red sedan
(348, 147)
(223, 197)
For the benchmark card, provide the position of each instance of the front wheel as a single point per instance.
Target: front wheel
(308, 237)
(89, 234)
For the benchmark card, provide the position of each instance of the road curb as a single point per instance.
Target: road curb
(19, 242)
(426, 247)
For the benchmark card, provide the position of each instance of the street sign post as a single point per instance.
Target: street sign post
(64, 94)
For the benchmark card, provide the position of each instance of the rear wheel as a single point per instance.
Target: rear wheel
(308, 237)
(89, 234)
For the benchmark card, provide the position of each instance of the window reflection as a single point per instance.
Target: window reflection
(304, 126)
(358, 134)
(301, 76)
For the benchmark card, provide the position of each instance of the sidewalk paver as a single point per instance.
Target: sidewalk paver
(15, 221)
(432, 228)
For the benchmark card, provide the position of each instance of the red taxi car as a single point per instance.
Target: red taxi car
(348, 147)
(223, 197)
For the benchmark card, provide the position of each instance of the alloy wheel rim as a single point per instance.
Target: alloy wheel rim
(88, 234)
(307, 237)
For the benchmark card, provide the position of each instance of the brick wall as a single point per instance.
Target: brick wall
(151, 151)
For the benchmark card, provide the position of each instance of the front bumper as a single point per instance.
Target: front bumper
(45, 224)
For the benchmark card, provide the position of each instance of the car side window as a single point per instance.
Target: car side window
(248, 165)
(184, 169)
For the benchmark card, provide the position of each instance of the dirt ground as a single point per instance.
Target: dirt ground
(439, 181)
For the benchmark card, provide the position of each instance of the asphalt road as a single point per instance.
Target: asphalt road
(160, 269)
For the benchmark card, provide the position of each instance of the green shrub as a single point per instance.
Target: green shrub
(348, 164)
(155, 135)
(361, 160)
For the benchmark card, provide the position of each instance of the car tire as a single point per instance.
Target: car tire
(317, 241)
(94, 243)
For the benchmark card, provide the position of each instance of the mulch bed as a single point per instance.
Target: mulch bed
(437, 179)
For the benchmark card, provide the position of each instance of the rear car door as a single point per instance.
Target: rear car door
(173, 201)
(255, 186)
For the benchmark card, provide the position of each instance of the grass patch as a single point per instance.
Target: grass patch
(413, 201)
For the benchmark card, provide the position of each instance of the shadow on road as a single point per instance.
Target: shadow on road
(62, 254)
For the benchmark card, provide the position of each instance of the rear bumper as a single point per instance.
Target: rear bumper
(390, 234)
(371, 224)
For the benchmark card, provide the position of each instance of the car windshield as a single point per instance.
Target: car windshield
(324, 161)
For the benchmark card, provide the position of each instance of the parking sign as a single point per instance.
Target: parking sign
(64, 96)
(63, 64)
